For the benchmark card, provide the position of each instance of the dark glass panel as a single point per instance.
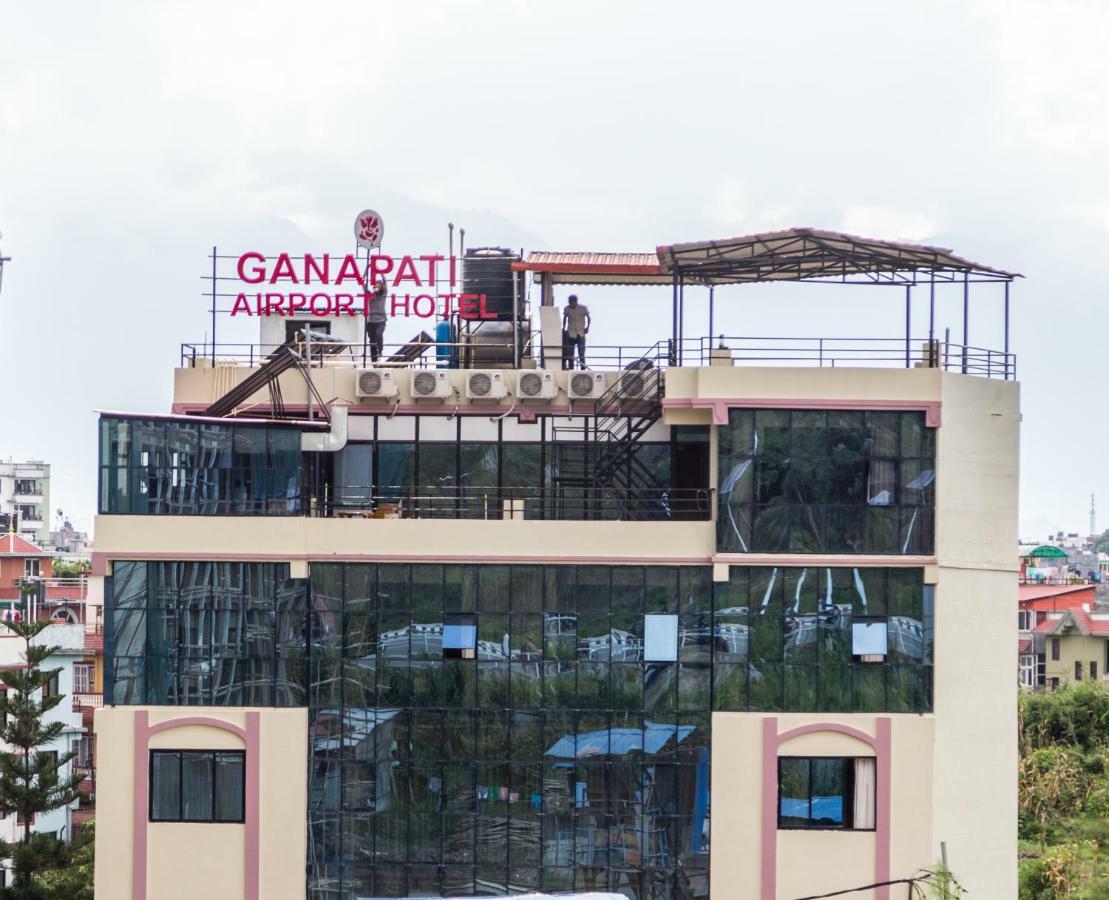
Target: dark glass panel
(196, 786)
(793, 793)
(165, 796)
(800, 684)
(765, 685)
(869, 687)
(229, 787)
(396, 470)
(661, 590)
(729, 686)
(828, 792)
(527, 589)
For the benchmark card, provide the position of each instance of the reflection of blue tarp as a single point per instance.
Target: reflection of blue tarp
(619, 741)
(825, 810)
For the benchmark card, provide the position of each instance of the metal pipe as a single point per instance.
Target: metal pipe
(214, 306)
(515, 320)
(712, 310)
(681, 317)
(908, 326)
(966, 320)
(1007, 334)
(674, 324)
(932, 311)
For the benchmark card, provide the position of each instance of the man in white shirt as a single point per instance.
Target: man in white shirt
(575, 324)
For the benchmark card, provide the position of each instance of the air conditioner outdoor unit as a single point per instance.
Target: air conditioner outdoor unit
(585, 385)
(536, 385)
(486, 385)
(375, 383)
(428, 384)
(637, 378)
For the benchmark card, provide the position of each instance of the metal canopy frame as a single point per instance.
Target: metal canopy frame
(825, 257)
(810, 254)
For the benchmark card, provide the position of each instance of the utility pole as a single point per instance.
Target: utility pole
(1093, 518)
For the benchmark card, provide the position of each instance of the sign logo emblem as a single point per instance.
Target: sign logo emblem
(369, 229)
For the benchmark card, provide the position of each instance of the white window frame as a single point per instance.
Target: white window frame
(1025, 618)
(82, 678)
(1028, 669)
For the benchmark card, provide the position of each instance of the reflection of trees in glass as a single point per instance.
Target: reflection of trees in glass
(839, 482)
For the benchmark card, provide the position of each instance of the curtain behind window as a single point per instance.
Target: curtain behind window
(865, 786)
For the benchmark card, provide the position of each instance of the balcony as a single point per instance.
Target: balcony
(87, 701)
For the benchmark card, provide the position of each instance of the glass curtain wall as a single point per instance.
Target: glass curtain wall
(164, 467)
(480, 729)
(795, 481)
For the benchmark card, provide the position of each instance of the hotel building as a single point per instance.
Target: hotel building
(726, 617)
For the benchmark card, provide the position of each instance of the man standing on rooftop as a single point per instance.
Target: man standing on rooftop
(376, 320)
(575, 323)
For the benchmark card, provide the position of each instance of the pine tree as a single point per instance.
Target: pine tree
(30, 783)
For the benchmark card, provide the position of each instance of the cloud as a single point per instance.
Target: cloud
(1053, 69)
(869, 221)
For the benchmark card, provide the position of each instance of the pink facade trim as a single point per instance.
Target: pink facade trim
(721, 405)
(812, 560)
(251, 736)
(523, 413)
(881, 743)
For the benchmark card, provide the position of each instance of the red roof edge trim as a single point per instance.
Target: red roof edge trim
(597, 268)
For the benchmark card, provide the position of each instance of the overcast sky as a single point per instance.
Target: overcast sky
(135, 135)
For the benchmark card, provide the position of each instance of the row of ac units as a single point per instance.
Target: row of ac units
(480, 384)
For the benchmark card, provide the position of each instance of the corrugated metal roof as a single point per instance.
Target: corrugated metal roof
(1039, 591)
(814, 254)
(1046, 551)
(594, 268)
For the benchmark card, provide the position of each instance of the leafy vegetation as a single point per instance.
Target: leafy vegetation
(70, 568)
(1064, 793)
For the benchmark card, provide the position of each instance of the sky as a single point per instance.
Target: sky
(134, 136)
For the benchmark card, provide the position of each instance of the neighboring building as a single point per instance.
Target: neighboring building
(429, 645)
(29, 590)
(1037, 603)
(25, 500)
(1075, 647)
(69, 542)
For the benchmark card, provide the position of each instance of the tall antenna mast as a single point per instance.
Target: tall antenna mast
(1093, 517)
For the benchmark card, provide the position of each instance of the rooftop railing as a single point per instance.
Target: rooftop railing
(745, 350)
(574, 504)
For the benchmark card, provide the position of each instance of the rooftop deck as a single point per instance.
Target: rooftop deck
(820, 352)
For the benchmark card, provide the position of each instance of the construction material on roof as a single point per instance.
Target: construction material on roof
(305, 346)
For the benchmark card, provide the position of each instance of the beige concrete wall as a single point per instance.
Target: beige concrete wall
(335, 379)
(1075, 647)
(814, 383)
(817, 861)
(214, 537)
(189, 860)
(975, 774)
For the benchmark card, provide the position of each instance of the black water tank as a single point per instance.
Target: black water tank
(488, 270)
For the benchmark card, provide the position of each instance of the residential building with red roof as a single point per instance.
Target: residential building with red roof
(1038, 604)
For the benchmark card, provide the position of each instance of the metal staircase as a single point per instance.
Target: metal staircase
(596, 462)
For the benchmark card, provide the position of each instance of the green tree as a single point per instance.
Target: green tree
(64, 568)
(30, 780)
